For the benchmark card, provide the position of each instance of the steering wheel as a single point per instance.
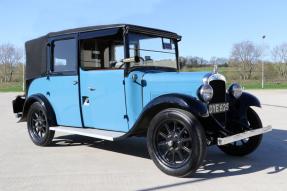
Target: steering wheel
(140, 58)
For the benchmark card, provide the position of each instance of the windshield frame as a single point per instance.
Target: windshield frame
(127, 52)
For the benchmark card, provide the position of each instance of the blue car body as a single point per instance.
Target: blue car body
(115, 96)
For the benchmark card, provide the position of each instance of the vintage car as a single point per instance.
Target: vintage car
(112, 82)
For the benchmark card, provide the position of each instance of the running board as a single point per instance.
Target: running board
(90, 132)
(244, 135)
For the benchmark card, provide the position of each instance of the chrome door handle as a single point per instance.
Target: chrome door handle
(92, 89)
(75, 82)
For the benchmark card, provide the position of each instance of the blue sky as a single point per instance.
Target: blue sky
(209, 27)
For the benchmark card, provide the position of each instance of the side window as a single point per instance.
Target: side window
(101, 53)
(65, 58)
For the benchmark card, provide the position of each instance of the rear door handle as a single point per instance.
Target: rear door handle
(92, 89)
(75, 82)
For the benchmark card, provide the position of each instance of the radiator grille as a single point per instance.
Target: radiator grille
(219, 96)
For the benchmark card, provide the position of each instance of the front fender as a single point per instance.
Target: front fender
(248, 100)
(180, 101)
(238, 108)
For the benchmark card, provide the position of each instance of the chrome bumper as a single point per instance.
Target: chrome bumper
(244, 135)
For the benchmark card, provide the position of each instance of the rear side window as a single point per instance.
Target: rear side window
(65, 55)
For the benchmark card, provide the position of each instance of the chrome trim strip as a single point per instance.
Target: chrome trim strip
(244, 135)
(89, 132)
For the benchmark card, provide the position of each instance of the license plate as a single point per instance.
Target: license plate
(218, 107)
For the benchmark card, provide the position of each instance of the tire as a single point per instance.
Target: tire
(176, 142)
(245, 147)
(38, 125)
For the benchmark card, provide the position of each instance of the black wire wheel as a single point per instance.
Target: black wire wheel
(176, 142)
(38, 125)
(248, 145)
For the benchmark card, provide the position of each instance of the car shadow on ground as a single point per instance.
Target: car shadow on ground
(270, 156)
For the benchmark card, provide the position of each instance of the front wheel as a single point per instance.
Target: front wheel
(176, 142)
(245, 146)
(38, 125)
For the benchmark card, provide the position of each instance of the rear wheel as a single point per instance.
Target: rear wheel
(176, 142)
(38, 125)
(245, 146)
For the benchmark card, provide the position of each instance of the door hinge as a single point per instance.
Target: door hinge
(126, 117)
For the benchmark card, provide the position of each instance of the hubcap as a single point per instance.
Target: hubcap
(173, 143)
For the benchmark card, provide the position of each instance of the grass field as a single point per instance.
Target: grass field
(11, 87)
(252, 84)
(268, 85)
(17, 86)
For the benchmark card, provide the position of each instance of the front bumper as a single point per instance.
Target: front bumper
(244, 135)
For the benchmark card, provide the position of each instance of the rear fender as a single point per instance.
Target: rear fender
(44, 102)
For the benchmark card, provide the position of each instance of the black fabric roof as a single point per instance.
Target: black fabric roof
(36, 57)
(131, 27)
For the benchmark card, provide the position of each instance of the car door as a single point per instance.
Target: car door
(63, 89)
(102, 84)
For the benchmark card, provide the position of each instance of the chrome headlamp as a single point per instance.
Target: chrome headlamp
(235, 90)
(205, 92)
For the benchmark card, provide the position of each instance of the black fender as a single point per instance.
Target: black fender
(18, 104)
(43, 101)
(180, 101)
(247, 100)
(238, 108)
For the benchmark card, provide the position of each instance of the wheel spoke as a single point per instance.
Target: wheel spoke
(43, 130)
(162, 143)
(180, 155)
(42, 114)
(174, 126)
(163, 135)
(186, 149)
(181, 131)
(166, 153)
(185, 139)
(173, 157)
(167, 128)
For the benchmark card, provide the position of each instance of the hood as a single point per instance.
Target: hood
(171, 82)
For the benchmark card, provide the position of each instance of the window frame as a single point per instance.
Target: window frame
(51, 56)
(98, 34)
(129, 69)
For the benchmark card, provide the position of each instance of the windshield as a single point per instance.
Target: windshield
(152, 51)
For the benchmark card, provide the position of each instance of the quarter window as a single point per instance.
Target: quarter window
(65, 56)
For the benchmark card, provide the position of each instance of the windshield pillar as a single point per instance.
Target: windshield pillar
(177, 54)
